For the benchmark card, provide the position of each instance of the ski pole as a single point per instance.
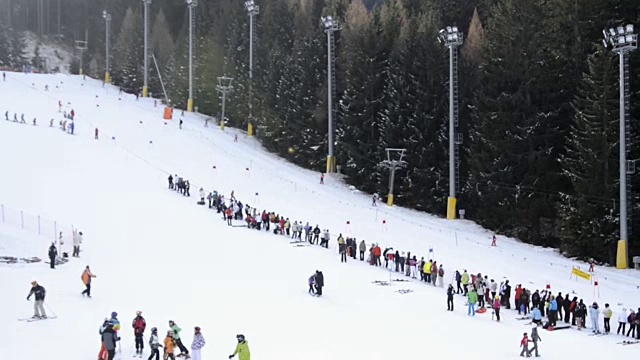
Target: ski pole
(50, 310)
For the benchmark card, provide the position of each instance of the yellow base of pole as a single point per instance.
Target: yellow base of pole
(190, 105)
(621, 256)
(107, 78)
(145, 91)
(222, 125)
(331, 164)
(250, 129)
(390, 200)
(451, 208)
(81, 72)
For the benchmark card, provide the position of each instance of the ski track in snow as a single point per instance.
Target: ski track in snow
(157, 251)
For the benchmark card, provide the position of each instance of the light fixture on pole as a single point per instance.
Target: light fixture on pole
(252, 11)
(107, 45)
(330, 25)
(451, 37)
(145, 86)
(393, 165)
(224, 87)
(623, 40)
(192, 23)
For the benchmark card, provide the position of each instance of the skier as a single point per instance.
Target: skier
(86, 280)
(202, 196)
(181, 122)
(169, 344)
(77, 240)
(450, 298)
(311, 282)
(524, 344)
(496, 307)
(176, 335)
(6, 115)
(4, 76)
(139, 324)
(535, 338)
(440, 276)
(110, 339)
(242, 349)
(374, 198)
(170, 179)
(154, 344)
(594, 313)
(362, 248)
(319, 282)
(321, 178)
(465, 282)
(39, 292)
(53, 255)
(607, 313)
(472, 299)
(96, 133)
(197, 344)
(458, 281)
(622, 321)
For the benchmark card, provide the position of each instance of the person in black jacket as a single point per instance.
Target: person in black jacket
(39, 292)
(110, 339)
(450, 298)
(170, 178)
(53, 255)
(560, 301)
(319, 282)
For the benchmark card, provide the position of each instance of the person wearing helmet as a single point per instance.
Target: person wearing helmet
(242, 349)
(197, 344)
(114, 320)
(154, 344)
(496, 307)
(176, 335)
(169, 344)
(139, 324)
(110, 339)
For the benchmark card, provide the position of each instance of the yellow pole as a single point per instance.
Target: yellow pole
(451, 208)
(621, 258)
(250, 129)
(107, 78)
(145, 91)
(190, 105)
(331, 164)
(390, 200)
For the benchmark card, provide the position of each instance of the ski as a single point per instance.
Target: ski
(524, 318)
(31, 319)
(627, 342)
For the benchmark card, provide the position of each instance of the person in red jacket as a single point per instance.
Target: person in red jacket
(139, 324)
(524, 344)
(517, 298)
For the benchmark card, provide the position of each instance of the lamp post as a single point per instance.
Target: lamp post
(81, 45)
(224, 87)
(252, 11)
(330, 25)
(393, 165)
(452, 38)
(107, 20)
(145, 87)
(623, 40)
(192, 23)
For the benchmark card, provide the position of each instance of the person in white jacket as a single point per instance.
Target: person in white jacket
(202, 195)
(77, 240)
(197, 344)
(594, 314)
(622, 321)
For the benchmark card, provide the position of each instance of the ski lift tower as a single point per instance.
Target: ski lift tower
(622, 40)
(452, 38)
(252, 11)
(145, 86)
(224, 87)
(394, 162)
(107, 45)
(81, 45)
(192, 29)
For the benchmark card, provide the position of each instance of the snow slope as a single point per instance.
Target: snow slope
(57, 55)
(157, 251)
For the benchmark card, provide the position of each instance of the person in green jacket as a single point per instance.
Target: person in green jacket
(472, 299)
(465, 282)
(176, 330)
(242, 349)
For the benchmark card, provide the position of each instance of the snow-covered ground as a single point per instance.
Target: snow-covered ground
(156, 251)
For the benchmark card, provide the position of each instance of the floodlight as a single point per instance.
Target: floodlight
(629, 29)
(449, 30)
(612, 31)
(604, 42)
(621, 40)
(455, 29)
(450, 37)
(620, 30)
(455, 36)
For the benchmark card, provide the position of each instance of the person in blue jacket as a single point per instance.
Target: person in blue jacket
(536, 316)
(553, 311)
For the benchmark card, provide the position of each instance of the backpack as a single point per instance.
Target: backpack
(441, 272)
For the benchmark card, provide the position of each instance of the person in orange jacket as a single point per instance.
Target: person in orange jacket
(86, 280)
(169, 344)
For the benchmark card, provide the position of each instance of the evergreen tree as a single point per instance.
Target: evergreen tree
(161, 44)
(128, 53)
(6, 60)
(589, 218)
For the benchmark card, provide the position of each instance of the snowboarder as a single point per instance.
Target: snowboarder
(176, 335)
(524, 344)
(535, 338)
(197, 344)
(242, 349)
(86, 277)
(110, 339)
(39, 292)
(53, 255)
(154, 344)
(450, 298)
(139, 324)
(319, 282)
(169, 344)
